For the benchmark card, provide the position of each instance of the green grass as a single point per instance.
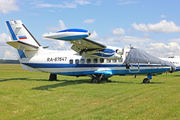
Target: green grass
(29, 95)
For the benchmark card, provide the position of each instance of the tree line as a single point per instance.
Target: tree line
(2, 61)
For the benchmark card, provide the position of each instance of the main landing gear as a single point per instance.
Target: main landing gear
(147, 80)
(96, 78)
(53, 77)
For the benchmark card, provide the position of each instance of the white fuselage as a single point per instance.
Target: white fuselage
(71, 63)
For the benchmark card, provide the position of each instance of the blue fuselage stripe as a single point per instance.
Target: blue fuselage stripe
(48, 65)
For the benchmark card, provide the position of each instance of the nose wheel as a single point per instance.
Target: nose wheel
(146, 80)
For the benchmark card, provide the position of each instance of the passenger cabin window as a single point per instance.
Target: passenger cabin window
(108, 61)
(88, 61)
(77, 61)
(101, 60)
(71, 61)
(114, 61)
(82, 61)
(95, 60)
(120, 60)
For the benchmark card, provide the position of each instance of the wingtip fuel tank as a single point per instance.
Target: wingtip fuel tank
(69, 34)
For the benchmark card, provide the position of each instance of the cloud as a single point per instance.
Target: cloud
(161, 27)
(82, 2)
(7, 52)
(98, 2)
(3, 39)
(58, 44)
(119, 40)
(8, 5)
(163, 50)
(175, 40)
(130, 39)
(126, 3)
(163, 16)
(118, 31)
(61, 26)
(93, 36)
(140, 27)
(89, 21)
(145, 35)
(63, 5)
(124, 40)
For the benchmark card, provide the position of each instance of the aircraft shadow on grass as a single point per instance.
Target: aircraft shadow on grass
(69, 82)
(176, 75)
(27, 79)
(76, 82)
(62, 83)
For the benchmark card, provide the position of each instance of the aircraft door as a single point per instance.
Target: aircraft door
(134, 68)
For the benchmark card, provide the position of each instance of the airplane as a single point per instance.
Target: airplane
(174, 60)
(87, 57)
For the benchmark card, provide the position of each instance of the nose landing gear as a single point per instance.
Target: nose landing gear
(147, 80)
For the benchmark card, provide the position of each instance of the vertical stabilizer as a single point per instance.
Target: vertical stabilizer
(21, 38)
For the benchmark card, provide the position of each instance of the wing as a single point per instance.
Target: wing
(77, 37)
(84, 45)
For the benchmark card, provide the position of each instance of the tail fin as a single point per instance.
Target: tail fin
(21, 38)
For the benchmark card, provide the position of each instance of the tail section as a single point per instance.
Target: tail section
(21, 38)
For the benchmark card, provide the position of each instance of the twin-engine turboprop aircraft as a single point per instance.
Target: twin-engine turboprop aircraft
(88, 57)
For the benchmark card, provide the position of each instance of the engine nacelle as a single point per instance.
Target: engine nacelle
(107, 53)
(69, 34)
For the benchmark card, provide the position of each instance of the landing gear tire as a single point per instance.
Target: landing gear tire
(53, 77)
(94, 80)
(146, 80)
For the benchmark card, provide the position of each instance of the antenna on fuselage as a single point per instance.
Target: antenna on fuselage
(130, 46)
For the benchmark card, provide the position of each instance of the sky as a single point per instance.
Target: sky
(151, 25)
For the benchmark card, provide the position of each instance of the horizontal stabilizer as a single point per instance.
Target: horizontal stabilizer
(22, 45)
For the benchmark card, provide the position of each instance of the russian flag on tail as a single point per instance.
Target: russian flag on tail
(22, 37)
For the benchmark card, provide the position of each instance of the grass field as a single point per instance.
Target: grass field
(29, 95)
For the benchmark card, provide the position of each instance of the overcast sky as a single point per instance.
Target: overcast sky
(151, 25)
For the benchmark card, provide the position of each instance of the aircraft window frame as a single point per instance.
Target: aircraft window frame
(95, 60)
(71, 61)
(77, 61)
(108, 61)
(101, 60)
(82, 61)
(88, 61)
